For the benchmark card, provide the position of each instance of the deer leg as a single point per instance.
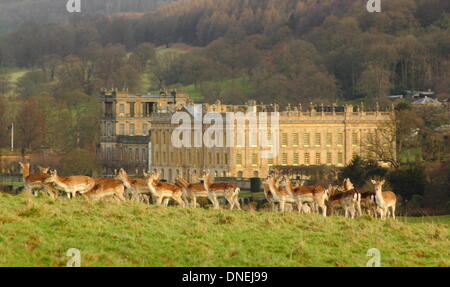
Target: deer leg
(236, 202)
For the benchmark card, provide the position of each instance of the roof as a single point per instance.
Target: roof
(427, 101)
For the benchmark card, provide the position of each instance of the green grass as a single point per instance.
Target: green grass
(38, 232)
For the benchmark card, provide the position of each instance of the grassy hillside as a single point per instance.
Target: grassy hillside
(38, 232)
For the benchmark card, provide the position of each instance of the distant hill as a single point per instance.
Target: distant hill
(15, 12)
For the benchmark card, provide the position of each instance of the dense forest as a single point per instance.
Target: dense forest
(15, 12)
(298, 49)
(284, 51)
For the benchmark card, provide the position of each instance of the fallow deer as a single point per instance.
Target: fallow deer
(277, 194)
(36, 181)
(191, 191)
(384, 200)
(344, 199)
(136, 187)
(71, 184)
(315, 195)
(106, 187)
(42, 169)
(229, 191)
(164, 191)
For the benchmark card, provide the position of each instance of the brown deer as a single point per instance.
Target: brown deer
(384, 200)
(277, 194)
(344, 199)
(164, 191)
(137, 188)
(71, 184)
(106, 187)
(191, 191)
(227, 190)
(36, 181)
(315, 195)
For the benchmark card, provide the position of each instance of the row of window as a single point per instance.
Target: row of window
(308, 158)
(192, 158)
(131, 154)
(316, 139)
(131, 131)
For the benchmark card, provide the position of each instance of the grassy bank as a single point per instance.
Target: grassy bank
(38, 232)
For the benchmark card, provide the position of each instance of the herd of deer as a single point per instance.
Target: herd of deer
(279, 192)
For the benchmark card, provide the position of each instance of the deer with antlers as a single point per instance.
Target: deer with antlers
(71, 184)
(191, 191)
(164, 191)
(137, 188)
(386, 201)
(229, 191)
(303, 195)
(105, 187)
(36, 181)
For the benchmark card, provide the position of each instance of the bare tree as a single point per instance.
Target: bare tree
(381, 145)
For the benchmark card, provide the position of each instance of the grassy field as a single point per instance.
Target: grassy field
(38, 232)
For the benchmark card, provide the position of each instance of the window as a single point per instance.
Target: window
(131, 105)
(317, 139)
(226, 159)
(306, 157)
(295, 159)
(209, 158)
(254, 159)
(145, 129)
(121, 129)
(270, 161)
(217, 158)
(328, 157)
(354, 139)
(238, 159)
(131, 129)
(369, 139)
(144, 155)
(328, 139)
(121, 108)
(340, 158)
(295, 139)
(306, 139)
(284, 139)
(318, 158)
(340, 139)
(284, 159)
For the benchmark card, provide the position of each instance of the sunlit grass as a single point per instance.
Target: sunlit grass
(39, 231)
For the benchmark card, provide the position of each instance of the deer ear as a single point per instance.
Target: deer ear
(382, 182)
(373, 181)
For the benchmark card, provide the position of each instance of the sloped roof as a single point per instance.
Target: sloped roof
(427, 101)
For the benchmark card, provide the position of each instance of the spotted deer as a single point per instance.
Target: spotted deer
(385, 201)
(36, 181)
(164, 191)
(105, 187)
(313, 195)
(344, 199)
(191, 191)
(229, 191)
(277, 194)
(136, 188)
(71, 184)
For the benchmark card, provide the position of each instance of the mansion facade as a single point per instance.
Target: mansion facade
(317, 135)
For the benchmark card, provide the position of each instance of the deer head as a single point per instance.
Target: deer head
(378, 185)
